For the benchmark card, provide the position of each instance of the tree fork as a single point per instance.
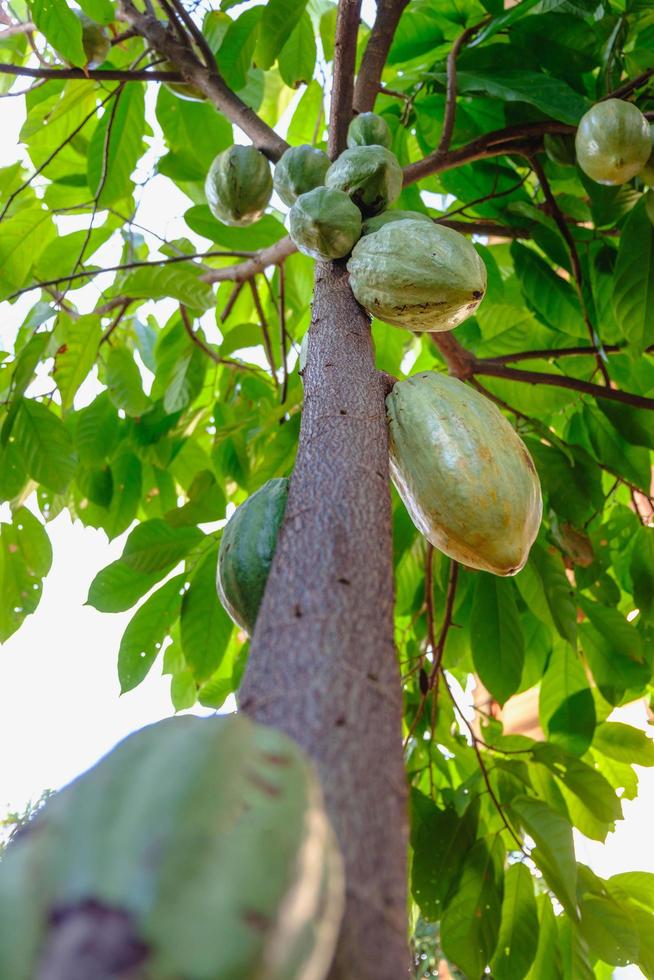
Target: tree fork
(323, 665)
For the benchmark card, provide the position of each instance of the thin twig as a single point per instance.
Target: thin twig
(196, 34)
(92, 74)
(259, 261)
(231, 302)
(554, 353)
(114, 323)
(211, 354)
(283, 336)
(447, 623)
(264, 328)
(450, 97)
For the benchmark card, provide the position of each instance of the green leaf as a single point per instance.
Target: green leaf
(155, 546)
(566, 705)
(641, 570)
(186, 380)
(297, 59)
(614, 650)
(503, 21)
(547, 592)
(205, 626)
(279, 19)
(101, 11)
(265, 232)
(638, 885)
(25, 559)
(304, 127)
(206, 502)
(194, 132)
(496, 636)
(96, 430)
(609, 930)
(44, 445)
(552, 297)
(61, 28)
(625, 744)
(180, 282)
(440, 840)
(618, 456)
(546, 965)
(24, 236)
(471, 921)
(76, 356)
(237, 49)
(518, 938)
(554, 853)
(126, 472)
(123, 379)
(146, 632)
(592, 789)
(117, 587)
(116, 145)
(551, 95)
(633, 289)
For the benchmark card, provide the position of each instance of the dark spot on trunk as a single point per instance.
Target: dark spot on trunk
(343, 581)
(340, 721)
(298, 612)
(343, 412)
(372, 677)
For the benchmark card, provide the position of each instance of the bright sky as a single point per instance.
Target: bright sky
(60, 708)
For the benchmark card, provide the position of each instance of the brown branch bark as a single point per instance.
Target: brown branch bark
(450, 98)
(345, 51)
(554, 353)
(206, 79)
(244, 271)
(93, 74)
(376, 53)
(322, 662)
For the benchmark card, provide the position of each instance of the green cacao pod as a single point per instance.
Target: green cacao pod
(96, 41)
(300, 169)
(649, 205)
(371, 225)
(418, 275)
(369, 129)
(183, 90)
(238, 185)
(464, 475)
(207, 838)
(325, 224)
(647, 173)
(560, 148)
(371, 176)
(247, 548)
(613, 142)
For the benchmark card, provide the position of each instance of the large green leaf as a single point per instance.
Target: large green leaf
(440, 839)
(471, 921)
(60, 26)
(124, 383)
(44, 445)
(547, 592)
(566, 705)
(205, 627)
(24, 236)
(155, 546)
(279, 19)
(116, 146)
(633, 289)
(146, 632)
(76, 356)
(551, 95)
(554, 852)
(25, 558)
(518, 938)
(624, 743)
(297, 59)
(235, 55)
(546, 965)
(496, 636)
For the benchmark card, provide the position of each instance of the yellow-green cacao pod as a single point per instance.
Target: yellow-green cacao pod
(325, 224)
(464, 475)
(417, 275)
(247, 548)
(96, 41)
(183, 90)
(371, 176)
(207, 835)
(238, 185)
(560, 148)
(300, 169)
(613, 142)
(371, 225)
(369, 129)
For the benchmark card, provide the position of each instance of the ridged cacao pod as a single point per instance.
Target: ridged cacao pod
(247, 548)
(300, 169)
(613, 142)
(325, 224)
(560, 148)
(464, 475)
(647, 173)
(371, 176)
(418, 275)
(371, 225)
(183, 90)
(369, 129)
(206, 838)
(238, 185)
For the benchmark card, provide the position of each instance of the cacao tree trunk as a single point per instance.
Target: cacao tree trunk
(322, 665)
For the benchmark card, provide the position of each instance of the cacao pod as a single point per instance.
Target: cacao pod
(647, 173)
(300, 169)
(560, 148)
(238, 185)
(418, 275)
(371, 176)
(613, 142)
(649, 205)
(246, 551)
(95, 40)
(371, 225)
(369, 129)
(325, 224)
(465, 476)
(183, 90)
(207, 837)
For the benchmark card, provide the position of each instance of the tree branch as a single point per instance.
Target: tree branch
(273, 255)
(206, 79)
(210, 353)
(630, 86)
(376, 53)
(554, 353)
(345, 51)
(14, 29)
(450, 97)
(93, 74)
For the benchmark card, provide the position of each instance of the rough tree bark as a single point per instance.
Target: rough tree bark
(322, 664)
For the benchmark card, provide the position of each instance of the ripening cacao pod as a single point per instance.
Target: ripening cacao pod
(464, 475)
(238, 185)
(418, 275)
(647, 173)
(183, 90)
(560, 148)
(371, 176)
(369, 129)
(325, 224)
(96, 41)
(613, 142)
(371, 225)
(300, 169)
(203, 841)
(247, 548)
